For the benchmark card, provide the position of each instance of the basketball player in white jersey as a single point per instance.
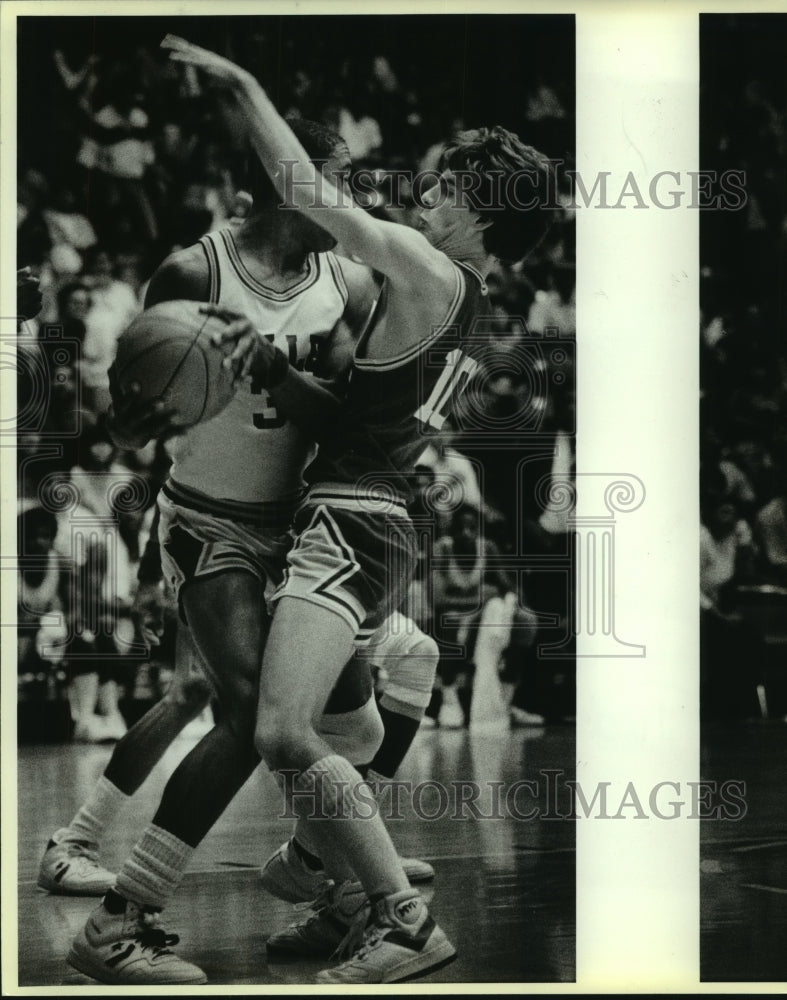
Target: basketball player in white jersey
(224, 516)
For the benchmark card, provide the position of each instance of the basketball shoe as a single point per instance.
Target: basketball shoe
(128, 948)
(335, 915)
(287, 876)
(401, 941)
(71, 868)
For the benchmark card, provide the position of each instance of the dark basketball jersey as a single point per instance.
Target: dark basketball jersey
(392, 405)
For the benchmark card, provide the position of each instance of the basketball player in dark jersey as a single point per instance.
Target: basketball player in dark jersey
(356, 547)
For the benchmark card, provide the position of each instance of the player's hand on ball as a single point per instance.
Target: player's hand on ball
(214, 65)
(247, 352)
(148, 612)
(133, 422)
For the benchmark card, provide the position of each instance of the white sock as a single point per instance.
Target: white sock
(102, 805)
(155, 868)
(332, 786)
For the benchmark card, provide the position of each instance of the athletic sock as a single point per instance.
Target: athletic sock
(101, 807)
(330, 787)
(155, 868)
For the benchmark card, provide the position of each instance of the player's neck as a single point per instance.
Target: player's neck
(466, 252)
(272, 241)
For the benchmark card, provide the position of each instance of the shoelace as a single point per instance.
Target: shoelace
(82, 855)
(323, 901)
(150, 935)
(371, 938)
(356, 933)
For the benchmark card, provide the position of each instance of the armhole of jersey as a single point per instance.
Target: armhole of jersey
(214, 276)
(413, 352)
(338, 276)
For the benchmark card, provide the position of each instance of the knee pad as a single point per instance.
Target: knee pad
(355, 735)
(409, 658)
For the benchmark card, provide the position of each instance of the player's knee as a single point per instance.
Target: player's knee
(427, 651)
(237, 704)
(274, 738)
(412, 677)
(190, 695)
(356, 735)
(275, 742)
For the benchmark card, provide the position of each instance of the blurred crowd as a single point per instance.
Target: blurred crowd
(743, 481)
(124, 157)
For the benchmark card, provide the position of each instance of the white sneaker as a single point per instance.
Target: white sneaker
(287, 876)
(129, 949)
(71, 868)
(338, 910)
(401, 942)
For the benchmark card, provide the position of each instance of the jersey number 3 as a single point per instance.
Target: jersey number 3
(453, 379)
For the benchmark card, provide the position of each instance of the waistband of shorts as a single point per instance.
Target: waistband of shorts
(365, 500)
(274, 517)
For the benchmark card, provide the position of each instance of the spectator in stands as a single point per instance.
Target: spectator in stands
(41, 630)
(555, 308)
(731, 655)
(90, 540)
(770, 526)
(113, 305)
(464, 578)
(117, 152)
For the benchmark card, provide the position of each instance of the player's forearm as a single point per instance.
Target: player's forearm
(286, 161)
(305, 188)
(305, 401)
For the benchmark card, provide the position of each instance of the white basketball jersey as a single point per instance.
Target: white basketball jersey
(249, 453)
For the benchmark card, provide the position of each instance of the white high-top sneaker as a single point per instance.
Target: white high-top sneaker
(128, 948)
(333, 915)
(286, 876)
(401, 942)
(71, 868)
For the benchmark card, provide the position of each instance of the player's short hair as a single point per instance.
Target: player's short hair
(319, 141)
(496, 156)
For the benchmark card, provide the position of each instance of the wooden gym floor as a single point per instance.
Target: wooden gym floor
(504, 890)
(743, 864)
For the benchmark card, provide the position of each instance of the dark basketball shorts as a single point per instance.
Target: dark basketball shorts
(354, 554)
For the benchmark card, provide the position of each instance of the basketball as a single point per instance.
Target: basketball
(168, 352)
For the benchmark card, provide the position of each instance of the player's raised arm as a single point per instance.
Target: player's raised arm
(397, 251)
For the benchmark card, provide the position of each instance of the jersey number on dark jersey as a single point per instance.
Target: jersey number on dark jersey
(453, 379)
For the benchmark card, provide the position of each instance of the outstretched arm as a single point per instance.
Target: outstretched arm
(399, 252)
